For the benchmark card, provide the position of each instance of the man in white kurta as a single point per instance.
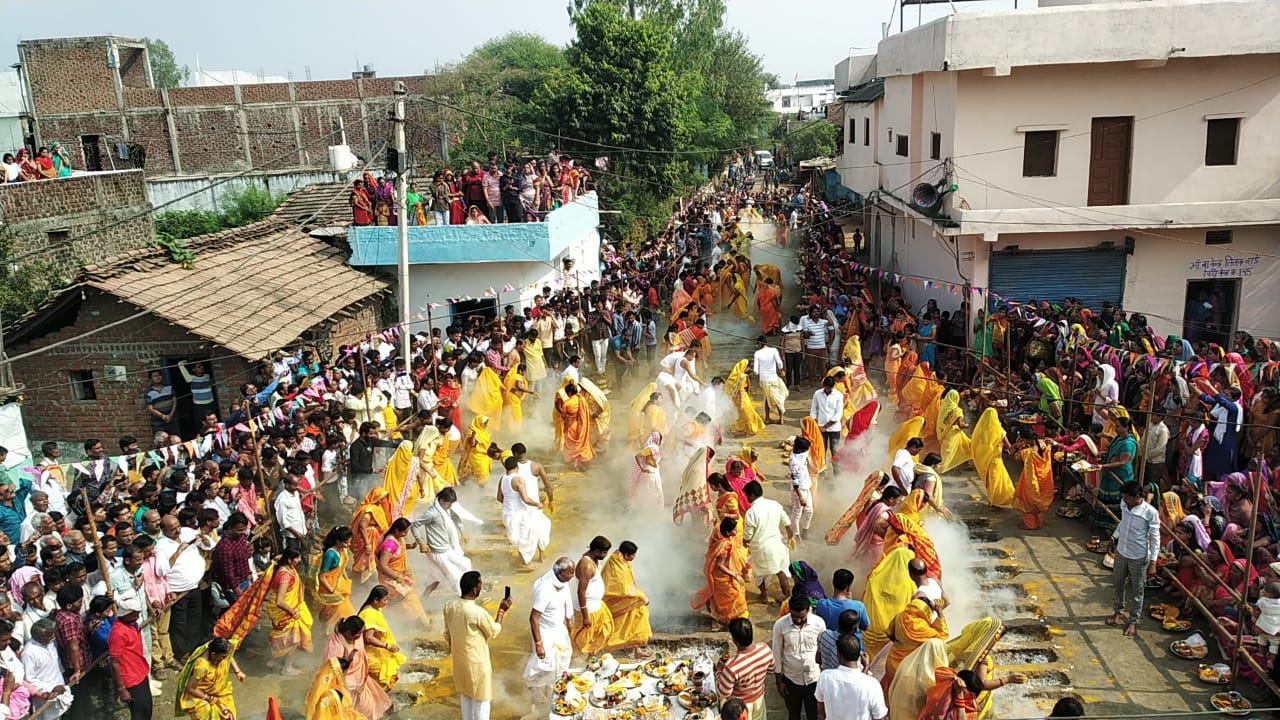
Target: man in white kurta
(468, 630)
(44, 672)
(549, 626)
(766, 530)
(528, 528)
(439, 534)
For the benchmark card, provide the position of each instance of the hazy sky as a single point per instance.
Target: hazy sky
(285, 37)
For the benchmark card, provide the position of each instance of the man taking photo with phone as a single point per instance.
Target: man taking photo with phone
(468, 630)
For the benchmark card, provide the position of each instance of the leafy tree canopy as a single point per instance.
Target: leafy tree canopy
(165, 70)
(813, 139)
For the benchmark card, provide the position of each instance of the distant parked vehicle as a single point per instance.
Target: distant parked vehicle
(764, 159)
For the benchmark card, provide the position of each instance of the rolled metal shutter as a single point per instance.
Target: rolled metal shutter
(1091, 275)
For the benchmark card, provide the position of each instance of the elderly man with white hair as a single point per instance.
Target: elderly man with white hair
(37, 523)
(549, 617)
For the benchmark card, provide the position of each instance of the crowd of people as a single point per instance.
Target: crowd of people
(47, 162)
(504, 190)
(313, 489)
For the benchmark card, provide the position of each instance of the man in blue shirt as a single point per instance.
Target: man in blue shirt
(829, 608)
(13, 500)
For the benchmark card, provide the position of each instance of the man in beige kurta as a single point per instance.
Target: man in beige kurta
(468, 630)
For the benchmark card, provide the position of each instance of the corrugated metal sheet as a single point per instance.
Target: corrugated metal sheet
(1090, 275)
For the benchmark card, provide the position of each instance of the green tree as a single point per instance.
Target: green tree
(724, 80)
(809, 140)
(24, 287)
(620, 97)
(165, 70)
(489, 92)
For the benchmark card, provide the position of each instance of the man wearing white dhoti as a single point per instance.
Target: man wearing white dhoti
(549, 626)
(528, 528)
(439, 534)
(766, 531)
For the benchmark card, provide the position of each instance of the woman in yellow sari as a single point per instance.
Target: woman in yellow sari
(889, 589)
(727, 571)
(917, 393)
(909, 428)
(535, 363)
(328, 698)
(402, 481)
(514, 388)
(988, 459)
(647, 417)
(1034, 493)
(626, 602)
(290, 618)
(486, 396)
(955, 444)
(204, 686)
(393, 568)
(919, 621)
(860, 389)
(434, 448)
(915, 677)
(333, 583)
(970, 650)
(476, 463)
(371, 520)
(738, 387)
(385, 658)
(932, 408)
(738, 298)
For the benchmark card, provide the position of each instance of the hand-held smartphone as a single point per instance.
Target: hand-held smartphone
(508, 596)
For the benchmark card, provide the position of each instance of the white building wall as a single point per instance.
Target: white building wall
(436, 283)
(1169, 106)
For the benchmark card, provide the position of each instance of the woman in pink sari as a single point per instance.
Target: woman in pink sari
(346, 644)
(737, 474)
(868, 540)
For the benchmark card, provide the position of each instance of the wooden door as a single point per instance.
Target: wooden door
(1110, 150)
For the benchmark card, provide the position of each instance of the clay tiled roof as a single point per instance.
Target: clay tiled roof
(252, 290)
(317, 206)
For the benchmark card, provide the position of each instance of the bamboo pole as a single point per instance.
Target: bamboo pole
(1213, 620)
(1242, 606)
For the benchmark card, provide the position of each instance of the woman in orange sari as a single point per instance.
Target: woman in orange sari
(727, 571)
(371, 520)
(769, 303)
(575, 416)
(1034, 493)
(893, 355)
(904, 530)
(906, 370)
(921, 620)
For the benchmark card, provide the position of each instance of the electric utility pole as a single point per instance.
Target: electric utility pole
(402, 224)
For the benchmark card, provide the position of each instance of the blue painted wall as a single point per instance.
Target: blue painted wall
(511, 242)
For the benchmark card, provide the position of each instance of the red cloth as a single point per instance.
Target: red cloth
(125, 647)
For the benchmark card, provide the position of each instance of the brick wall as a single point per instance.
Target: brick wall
(50, 409)
(82, 219)
(73, 92)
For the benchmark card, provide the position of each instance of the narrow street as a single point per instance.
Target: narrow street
(1051, 593)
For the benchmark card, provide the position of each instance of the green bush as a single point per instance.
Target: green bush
(239, 207)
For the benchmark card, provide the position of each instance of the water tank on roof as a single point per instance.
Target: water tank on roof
(341, 158)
